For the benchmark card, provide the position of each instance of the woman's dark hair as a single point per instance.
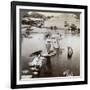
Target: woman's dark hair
(47, 35)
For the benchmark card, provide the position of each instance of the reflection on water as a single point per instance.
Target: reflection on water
(58, 63)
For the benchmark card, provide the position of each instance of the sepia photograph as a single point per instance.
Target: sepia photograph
(49, 44)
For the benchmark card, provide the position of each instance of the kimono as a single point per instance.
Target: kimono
(49, 45)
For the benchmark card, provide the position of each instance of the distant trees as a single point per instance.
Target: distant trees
(73, 27)
(49, 17)
(53, 27)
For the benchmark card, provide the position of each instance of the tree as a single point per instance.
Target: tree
(73, 27)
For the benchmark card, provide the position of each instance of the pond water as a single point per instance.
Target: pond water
(60, 62)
